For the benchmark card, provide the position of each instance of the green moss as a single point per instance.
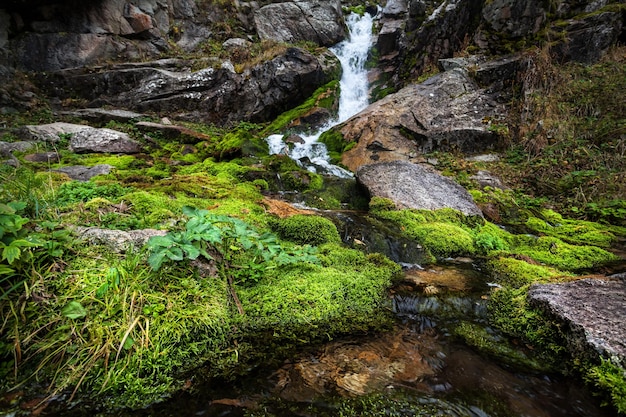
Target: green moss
(346, 295)
(510, 313)
(554, 252)
(306, 229)
(496, 346)
(572, 231)
(490, 237)
(515, 273)
(610, 379)
(324, 96)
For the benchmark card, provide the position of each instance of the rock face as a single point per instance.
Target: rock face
(592, 311)
(302, 20)
(515, 18)
(448, 111)
(209, 95)
(414, 186)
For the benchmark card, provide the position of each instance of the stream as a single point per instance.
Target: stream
(419, 368)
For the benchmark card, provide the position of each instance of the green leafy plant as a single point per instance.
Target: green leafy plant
(240, 251)
(15, 245)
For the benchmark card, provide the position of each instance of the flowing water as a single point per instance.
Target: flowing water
(352, 53)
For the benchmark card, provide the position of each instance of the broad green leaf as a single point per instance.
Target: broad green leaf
(192, 251)
(11, 253)
(74, 310)
(156, 259)
(174, 253)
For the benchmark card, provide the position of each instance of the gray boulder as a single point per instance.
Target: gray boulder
(415, 186)
(301, 20)
(117, 240)
(447, 112)
(591, 312)
(84, 173)
(51, 132)
(103, 140)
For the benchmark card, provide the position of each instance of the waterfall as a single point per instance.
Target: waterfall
(352, 54)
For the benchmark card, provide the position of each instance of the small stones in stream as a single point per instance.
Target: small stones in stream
(402, 357)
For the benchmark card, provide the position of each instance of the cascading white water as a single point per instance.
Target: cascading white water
(352, 54)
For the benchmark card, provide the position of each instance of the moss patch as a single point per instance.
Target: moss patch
(306, 229)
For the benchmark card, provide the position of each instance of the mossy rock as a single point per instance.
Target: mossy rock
(493, 345)
(516, 273)
(306, 229)
(578, 232)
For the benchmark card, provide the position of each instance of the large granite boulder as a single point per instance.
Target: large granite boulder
(51, 132)
(447, 112)
(210, 95)
(415, 186)
(591, 312)
(103, 140)
(301, 20)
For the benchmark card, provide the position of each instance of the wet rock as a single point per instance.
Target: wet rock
(103, 140)
(359, 367)
(592, 313)
(117, 240)
(83, 173)
(415, 186)
(50, 132)
(301, 20)
(446, 112)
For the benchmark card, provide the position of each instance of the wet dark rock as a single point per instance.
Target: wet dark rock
(103, 140)
(447, 112)
(591, 311)
(293, 139)
(117, 240)
(415, 186)
(83, 173)
(301, 20)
